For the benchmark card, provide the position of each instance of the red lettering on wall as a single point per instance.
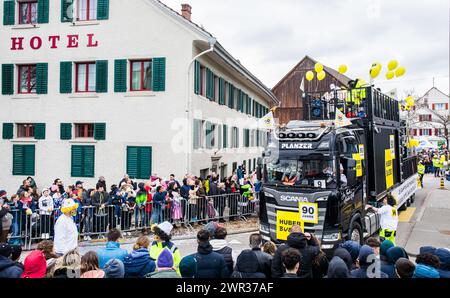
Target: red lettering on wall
(72, 41)
(16, 43)
(53, 39)
(91, 42)
(36, 43)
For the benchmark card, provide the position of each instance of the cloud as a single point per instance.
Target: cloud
(271, 36)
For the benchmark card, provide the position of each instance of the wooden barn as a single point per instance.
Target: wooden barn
(288, 89)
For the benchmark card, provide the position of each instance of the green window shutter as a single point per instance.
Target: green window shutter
(43, 8)
(24, 160)
(66, 11)
(42, 78)
(231, 96)
(39, 131)
(225, 136)
(100, 131)
(219, 138)
(145, 162)
(65, 77)
(120, 75)
(132, 162)
(208, 84)
(197, 81)
(221, 91)
(9, 12)
(102, 9)
(101, 82)
(8, 131)
(208, 135)
(7, 79)
(197, 132)
(66, 131)
(159, 74)
(83, 161)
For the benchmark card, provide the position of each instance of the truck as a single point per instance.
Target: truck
(321, 173)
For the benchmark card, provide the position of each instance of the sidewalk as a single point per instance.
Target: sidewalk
(432, 227)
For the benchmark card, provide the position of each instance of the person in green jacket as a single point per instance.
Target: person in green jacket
(141, 200)
(162, 241)
(436, 166)
(421, 172)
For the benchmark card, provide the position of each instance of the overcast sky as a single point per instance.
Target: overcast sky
(270, 37)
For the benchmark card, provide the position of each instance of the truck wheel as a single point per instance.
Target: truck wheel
(413, 197)
(356, 233)
(403, 207)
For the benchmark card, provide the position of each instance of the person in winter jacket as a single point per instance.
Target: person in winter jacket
(220, 246)
(247, 266)
(404, 268)
(138, 263)
(8, 268)
(337, 268)
(100, 199)
(114, 268)
(45, 211)
(35, 265)
(367, 258)
(444, 257)
(112, 249)
(162, 241)
(393, 254)
(345, 256)
(209, 263)
(291, 261)
(188, 267)
(385, 245)
(165, 267)
(299, 241)
(159, 199)
(424, 271)
(353, 248)
(264, 259)
(141, 200)
(90, 267)
(51, 258)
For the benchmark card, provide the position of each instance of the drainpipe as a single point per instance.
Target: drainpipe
(189, 95)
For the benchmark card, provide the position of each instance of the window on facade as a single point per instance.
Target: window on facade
(440, 106)
(139, 162)
(246, 138)
(216, 88)
(87, 10)
(23, 160)
(25, 130)
(27, 78)
(85, 77)
(84, 130)
(83, 161)
(210, 135)
(235, 137)
(198, 133)
(28, 12)
(141, 75)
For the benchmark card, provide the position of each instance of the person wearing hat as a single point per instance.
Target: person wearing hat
(162, 241)
(66, 233)
(45, 211)
(164, 266)
(35, 265)
(353, 248)
(424, 271)
(393, 254)
(188, 267)
(8, 268)
(367, 263)
(114, 268)
(421, 171)
(388, 218)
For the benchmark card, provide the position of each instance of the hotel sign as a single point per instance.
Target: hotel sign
(54, 42)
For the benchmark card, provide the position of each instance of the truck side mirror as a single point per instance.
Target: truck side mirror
(351, 177)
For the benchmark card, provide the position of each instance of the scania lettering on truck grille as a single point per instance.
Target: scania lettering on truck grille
(292, 146)
(287, 198)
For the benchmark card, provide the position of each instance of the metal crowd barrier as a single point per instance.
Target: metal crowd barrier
(92, 221)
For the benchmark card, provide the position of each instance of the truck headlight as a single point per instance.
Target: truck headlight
(324, 145)
(268, 195)
(332, 237)
(264, 228)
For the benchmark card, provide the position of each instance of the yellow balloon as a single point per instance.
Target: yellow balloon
(392, 64)
(374, 72)
(318, 67)
(342, 69)
(310, 75)
(321, 75)
(400, 71)
(390, 75)
(377, 65)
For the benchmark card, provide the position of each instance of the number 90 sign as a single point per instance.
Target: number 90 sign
(309, 212)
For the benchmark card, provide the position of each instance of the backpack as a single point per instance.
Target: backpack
(7, 221)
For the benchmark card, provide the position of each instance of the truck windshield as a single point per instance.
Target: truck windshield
(302, 172)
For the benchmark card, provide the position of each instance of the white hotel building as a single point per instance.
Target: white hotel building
(108, 87)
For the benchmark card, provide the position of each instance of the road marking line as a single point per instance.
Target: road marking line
(406, 215)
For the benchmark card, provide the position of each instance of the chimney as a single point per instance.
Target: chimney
(186, 11)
